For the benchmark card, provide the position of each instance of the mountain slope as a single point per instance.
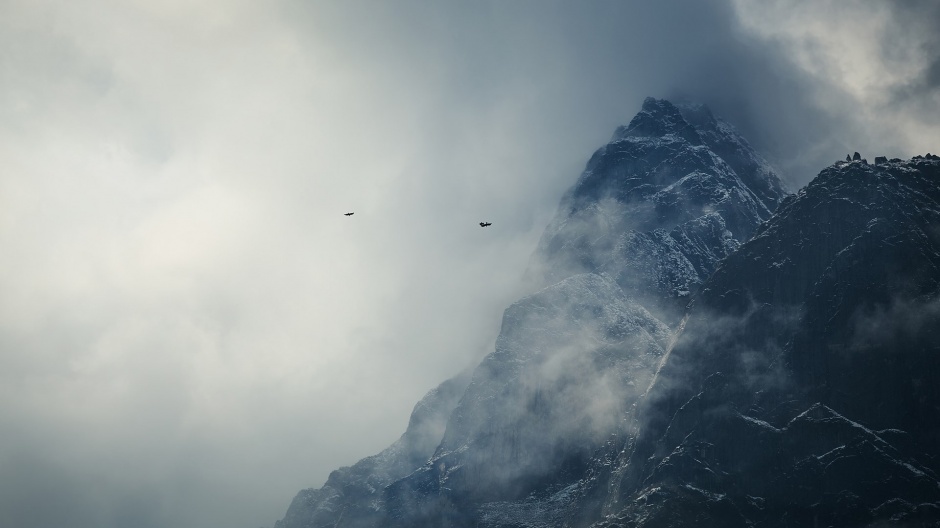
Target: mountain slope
(803, 389)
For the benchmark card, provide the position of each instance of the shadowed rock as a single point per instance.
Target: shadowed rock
(804, 384)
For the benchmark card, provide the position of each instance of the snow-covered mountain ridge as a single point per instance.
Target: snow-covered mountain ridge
(685, 339)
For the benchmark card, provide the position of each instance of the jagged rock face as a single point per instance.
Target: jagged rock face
(673, 193)
(803, 388)
(734, 150)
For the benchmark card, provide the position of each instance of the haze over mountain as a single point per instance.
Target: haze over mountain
(695, 358)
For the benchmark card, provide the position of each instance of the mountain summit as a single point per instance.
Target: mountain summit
(703, 349)
(673, 193)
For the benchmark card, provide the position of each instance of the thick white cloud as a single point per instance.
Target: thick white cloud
(190, 330)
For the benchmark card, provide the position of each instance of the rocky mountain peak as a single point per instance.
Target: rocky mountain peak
(657, 118)
(660, 205)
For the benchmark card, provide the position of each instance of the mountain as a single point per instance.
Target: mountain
(673, 193)
(701, 349)
(803, 389)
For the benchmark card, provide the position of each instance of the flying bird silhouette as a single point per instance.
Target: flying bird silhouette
(486, 224)
(348, 214)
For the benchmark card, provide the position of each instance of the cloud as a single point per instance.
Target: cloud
(872, 63)
(187, 317)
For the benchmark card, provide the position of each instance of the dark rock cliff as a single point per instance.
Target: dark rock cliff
(803, 389)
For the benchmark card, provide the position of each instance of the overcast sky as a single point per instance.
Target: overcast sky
(190, 329)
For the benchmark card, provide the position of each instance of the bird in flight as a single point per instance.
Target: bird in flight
(486, 224)
(348, 214)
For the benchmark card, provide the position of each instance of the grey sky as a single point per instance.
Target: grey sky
(190, 330)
